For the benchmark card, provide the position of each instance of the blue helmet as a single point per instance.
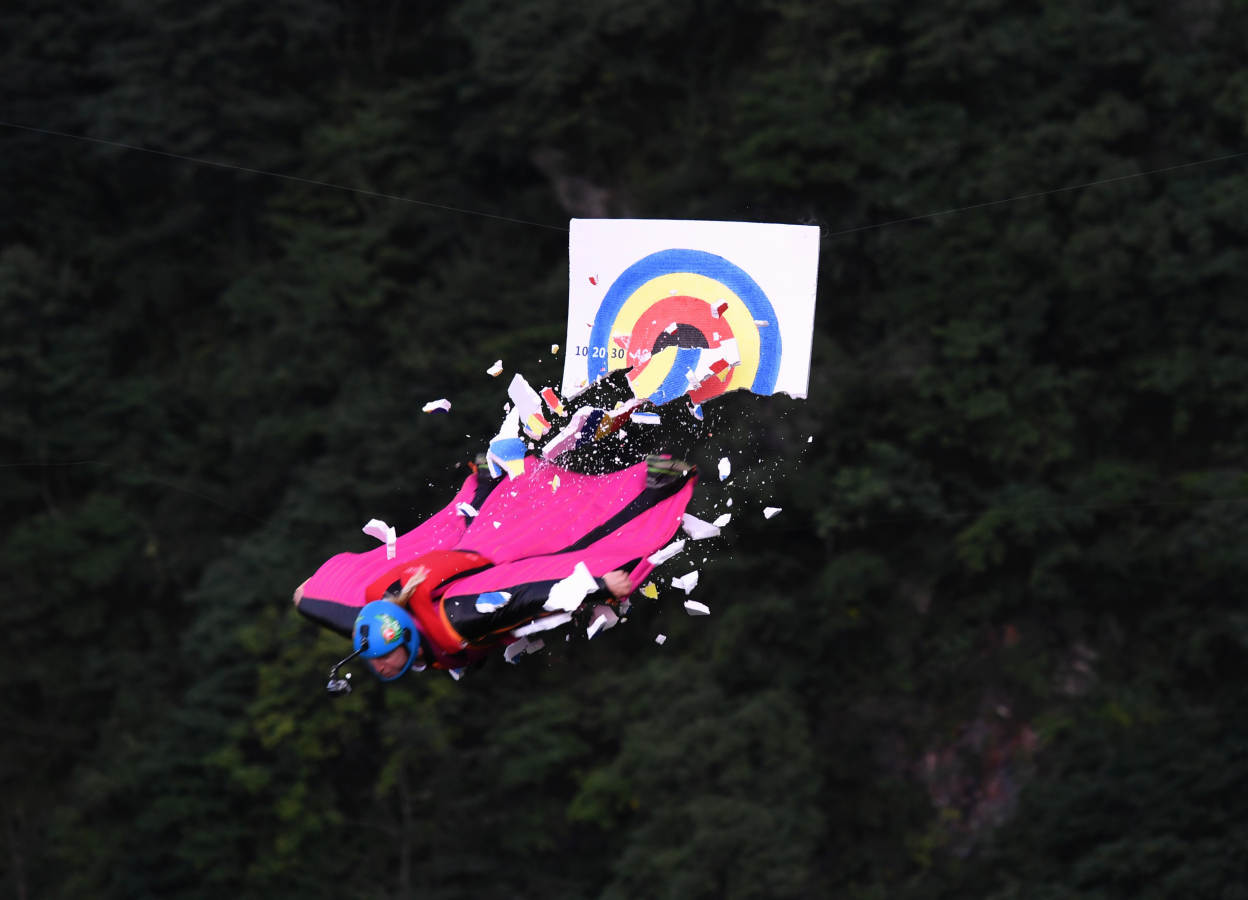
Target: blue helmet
(383, 626)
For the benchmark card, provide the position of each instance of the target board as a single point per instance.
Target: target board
(691, 308)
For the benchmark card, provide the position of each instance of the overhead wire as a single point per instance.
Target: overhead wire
(285, 176)
(380, 195)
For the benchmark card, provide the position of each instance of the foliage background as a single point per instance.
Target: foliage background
(994, 645)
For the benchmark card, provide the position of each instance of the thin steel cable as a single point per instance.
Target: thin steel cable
(287, 177)
(1035, 194)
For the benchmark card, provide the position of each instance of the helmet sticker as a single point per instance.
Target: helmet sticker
(391, 630)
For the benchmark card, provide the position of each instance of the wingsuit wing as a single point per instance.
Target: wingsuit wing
(334, 594)
(621, 541)
(534, 528)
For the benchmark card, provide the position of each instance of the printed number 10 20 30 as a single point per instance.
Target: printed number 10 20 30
(600, 352)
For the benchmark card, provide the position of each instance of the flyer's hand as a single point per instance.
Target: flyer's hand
(415, 580)
(618, 584)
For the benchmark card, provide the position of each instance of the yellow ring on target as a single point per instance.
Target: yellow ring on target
(689, 284)
(653, 375)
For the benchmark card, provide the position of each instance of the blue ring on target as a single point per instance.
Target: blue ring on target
(696, 262)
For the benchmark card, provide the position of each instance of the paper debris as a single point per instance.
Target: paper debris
(650, 590)
(506, 451)
(660, 639)
(646, 418)
(694, 608)
(618, 416)
(771, 511)
(567, 594)
(554, 484)
(723, 520)
(498, 524)
(466, 509)
(729, 503)
(604, 619)
(521, 647)
(508, 454)
(715, 362)
(725, 468)
(552, 401)
(382, 532)
(662, 556)
(696, 409)
(696, 528)
(536, 425)
(545, 623)
(493, 600)
(554, 348)
(528, 406)
(686, 582)
(496, 369)
(810, 439)
(444, 405)
(456, 673)
(523, 396)
(570, 436)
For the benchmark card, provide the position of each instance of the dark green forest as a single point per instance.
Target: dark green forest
(994, 645)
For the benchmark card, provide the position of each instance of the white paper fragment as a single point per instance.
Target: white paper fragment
(771, 511)
(526, 400)
(467, 510)
(491, 601)
(696, 528)
(568, 436)
(623, 408)
(567, 594)
(444, 405)
(660, 639)
(545, 623)
(686, 582)
(498, 524)
(729, 503)
(382, 532)
(723, 520)
(810, 439)
(506, 434)
(456, 673)
(604, 619)
(554, 348)
(725, 468)
(521, 647)
(496, 369)
(646, 418)
(694, 608)
(662, 556)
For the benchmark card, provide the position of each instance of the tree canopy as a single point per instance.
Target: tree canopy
(994, 644)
